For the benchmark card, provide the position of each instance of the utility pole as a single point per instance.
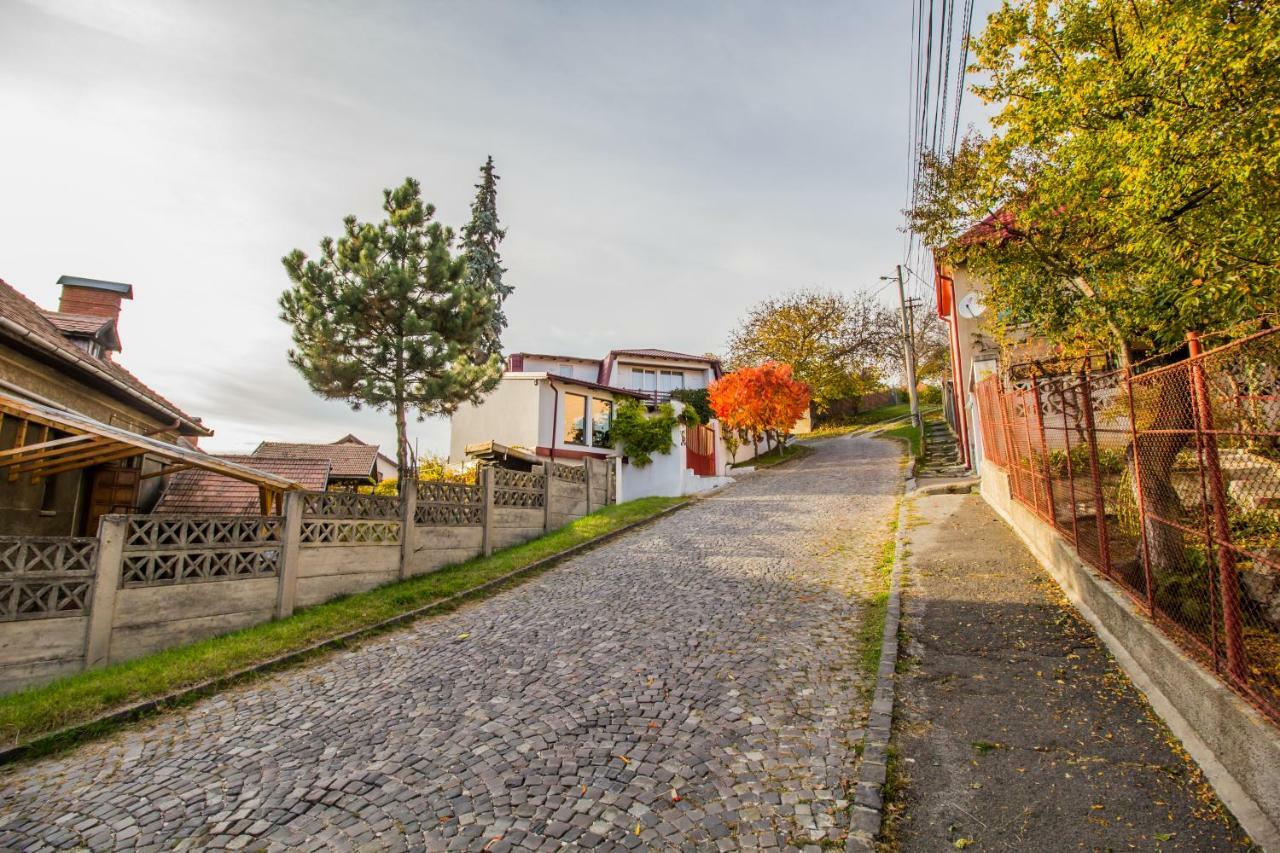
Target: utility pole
(909, 354)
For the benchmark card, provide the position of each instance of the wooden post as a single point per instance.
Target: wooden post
(408, 525)
(107, 568)
(547, 468)
(486, 529)
(586, 478)
(290, 553)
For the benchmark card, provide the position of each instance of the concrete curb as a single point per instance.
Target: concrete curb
(16, 752)
(866, 813)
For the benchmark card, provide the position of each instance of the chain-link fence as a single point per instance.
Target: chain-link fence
(1168, 482)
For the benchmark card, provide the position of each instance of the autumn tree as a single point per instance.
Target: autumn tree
(761, 401)
(1131, 185)
(388, 316)
(833, 342)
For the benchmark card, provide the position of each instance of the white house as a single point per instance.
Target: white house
(562, 407)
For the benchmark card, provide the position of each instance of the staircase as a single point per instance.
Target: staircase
(941, 453)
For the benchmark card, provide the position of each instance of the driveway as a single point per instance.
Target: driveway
(692, 685)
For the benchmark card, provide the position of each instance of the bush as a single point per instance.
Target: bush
(639, 435)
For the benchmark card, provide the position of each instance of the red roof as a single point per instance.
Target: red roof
(21, 311)
(627, 392)
(998, 226)
(197, 491)
(346, 461)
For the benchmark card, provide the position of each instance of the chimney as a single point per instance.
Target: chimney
(93, 297)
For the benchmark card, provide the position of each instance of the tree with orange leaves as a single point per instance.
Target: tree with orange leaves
(760, 401)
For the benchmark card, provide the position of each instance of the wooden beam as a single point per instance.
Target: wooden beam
(57, 442)
(19, 440)
(167, 470)
(58, 465)
(22, 414)
(44, 439)
(57, 456)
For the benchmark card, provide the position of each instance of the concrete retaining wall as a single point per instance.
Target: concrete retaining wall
(149, 619)
(38, 650)
(1236, 747)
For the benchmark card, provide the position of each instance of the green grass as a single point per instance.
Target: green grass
(911, 434)
(81, 698)
(773, 457)
(865, 421)
(875, 608)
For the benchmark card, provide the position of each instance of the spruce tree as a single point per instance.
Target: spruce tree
(388, 317)
(480, 239)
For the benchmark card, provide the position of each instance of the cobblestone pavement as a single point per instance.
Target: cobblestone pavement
(711, 654)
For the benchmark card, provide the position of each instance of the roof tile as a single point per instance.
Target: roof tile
(197, 491)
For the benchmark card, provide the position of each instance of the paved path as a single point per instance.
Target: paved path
(1016, 728)
(711, 654)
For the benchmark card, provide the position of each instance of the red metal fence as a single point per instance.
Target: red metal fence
(1168, 482)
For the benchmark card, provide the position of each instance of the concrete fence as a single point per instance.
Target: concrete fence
(150, 582)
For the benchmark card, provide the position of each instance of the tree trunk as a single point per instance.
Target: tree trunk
(402, 447)
(1152, 481)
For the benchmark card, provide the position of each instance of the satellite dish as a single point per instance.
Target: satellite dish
(971, 307)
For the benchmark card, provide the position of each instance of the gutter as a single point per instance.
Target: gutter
(555, 414)
(25, 334)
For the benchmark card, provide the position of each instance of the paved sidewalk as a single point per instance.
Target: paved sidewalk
(693, 685)
(1016, 729)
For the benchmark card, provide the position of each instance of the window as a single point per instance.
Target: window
(565, 370)
(644, 380)
(601, 422)
(575, 419)
(670, 380)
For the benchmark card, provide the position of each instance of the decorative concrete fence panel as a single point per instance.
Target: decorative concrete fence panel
(45, 588)
(347, 543)
(184, 578)
(149, 582)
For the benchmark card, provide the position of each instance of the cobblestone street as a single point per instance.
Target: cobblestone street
(692, 685)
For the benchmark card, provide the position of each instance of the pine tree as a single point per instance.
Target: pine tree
(480, 239)
(388, 317)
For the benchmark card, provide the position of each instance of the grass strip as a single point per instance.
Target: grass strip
(876, 606)
(72, 709)
(911, 434)
(772, 457)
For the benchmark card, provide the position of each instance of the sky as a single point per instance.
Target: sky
(663, 166)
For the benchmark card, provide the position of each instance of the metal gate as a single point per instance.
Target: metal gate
(700, 450)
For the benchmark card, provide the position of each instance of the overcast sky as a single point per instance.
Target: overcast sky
(664, 165)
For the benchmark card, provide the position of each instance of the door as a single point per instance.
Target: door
(113, 489)
(700, 450)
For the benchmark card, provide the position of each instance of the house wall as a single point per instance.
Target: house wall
(696, 375)
(20, 499)
(587, 371)
(509, 415)
(551, 421)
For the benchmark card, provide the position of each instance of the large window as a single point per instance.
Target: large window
(601, 422)
(575, 419)
(644, 380)
(670, 380)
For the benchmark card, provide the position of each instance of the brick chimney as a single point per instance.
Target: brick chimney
(93, 297)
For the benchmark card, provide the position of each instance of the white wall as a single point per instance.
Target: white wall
(667, 475)
(507, 415)
(696, 375)
(579, 370)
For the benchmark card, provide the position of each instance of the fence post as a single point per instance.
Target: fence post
(1099, 502)
(1141, 499)
(548, 469)
(107, 568)
(290, 553)
(408, 525)
(586, 478)
(608, 481)
(1044, 450)
(1071, 471)
(1229, 584)
(486, 529)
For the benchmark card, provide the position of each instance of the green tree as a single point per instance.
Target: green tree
(832, 342)
(480, 239)
(387, 316)
(1134, 165)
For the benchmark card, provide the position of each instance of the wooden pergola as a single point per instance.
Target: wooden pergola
(88, 442)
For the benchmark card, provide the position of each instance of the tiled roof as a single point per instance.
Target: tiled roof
(78, 324)
(350, 438)
(202, 492)
(998, 226)
(23, 312)
(628, 392)
(347, 461)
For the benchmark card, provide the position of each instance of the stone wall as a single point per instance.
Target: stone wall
(150, 582)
